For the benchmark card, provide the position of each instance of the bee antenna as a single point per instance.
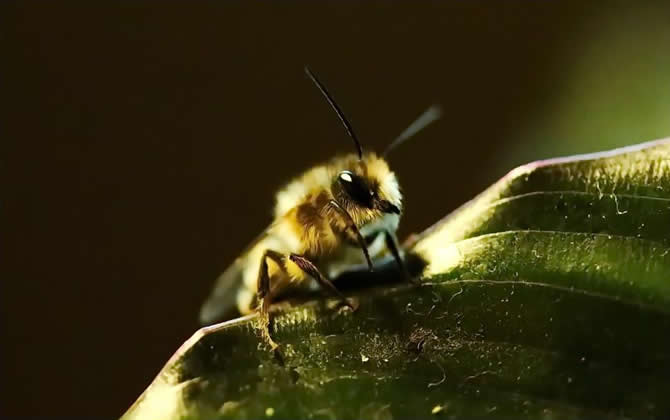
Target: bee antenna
(337, 110)
(430, 115)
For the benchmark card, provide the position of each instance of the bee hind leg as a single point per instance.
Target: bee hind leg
(264, 295)
(308, 267)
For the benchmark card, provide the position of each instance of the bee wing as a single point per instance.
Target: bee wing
(222, 301)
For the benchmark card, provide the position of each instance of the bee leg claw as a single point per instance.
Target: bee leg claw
(273, 345)
(268, 338)
(269, 341)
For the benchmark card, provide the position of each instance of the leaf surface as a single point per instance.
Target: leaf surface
(548, 295)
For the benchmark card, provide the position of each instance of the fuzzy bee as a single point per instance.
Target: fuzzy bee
(333, 216)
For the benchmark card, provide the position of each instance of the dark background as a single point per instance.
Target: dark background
(142, 144)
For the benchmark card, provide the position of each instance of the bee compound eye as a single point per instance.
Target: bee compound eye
(355, 188)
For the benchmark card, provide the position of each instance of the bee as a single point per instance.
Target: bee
(335, 215)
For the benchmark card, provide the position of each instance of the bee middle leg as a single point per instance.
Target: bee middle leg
(308, 267)
(393, 247)
(263, 290)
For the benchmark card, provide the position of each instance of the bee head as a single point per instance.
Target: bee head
(367, 188)
(364, 185)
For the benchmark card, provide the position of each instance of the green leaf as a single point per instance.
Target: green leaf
(548, 295)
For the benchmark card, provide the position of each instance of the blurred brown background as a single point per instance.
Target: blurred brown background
(142, 144)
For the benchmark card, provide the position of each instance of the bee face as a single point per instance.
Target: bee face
(367, 188)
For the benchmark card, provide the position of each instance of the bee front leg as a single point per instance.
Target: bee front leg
(393, 247)
(308, 267)
(263, 291)
(352, 229)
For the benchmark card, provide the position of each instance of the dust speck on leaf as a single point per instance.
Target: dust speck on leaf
(376, 411)
(616, 204)
(438, 409)
(229, 406)
(454, 295)
(441, 381)
(325, 412)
